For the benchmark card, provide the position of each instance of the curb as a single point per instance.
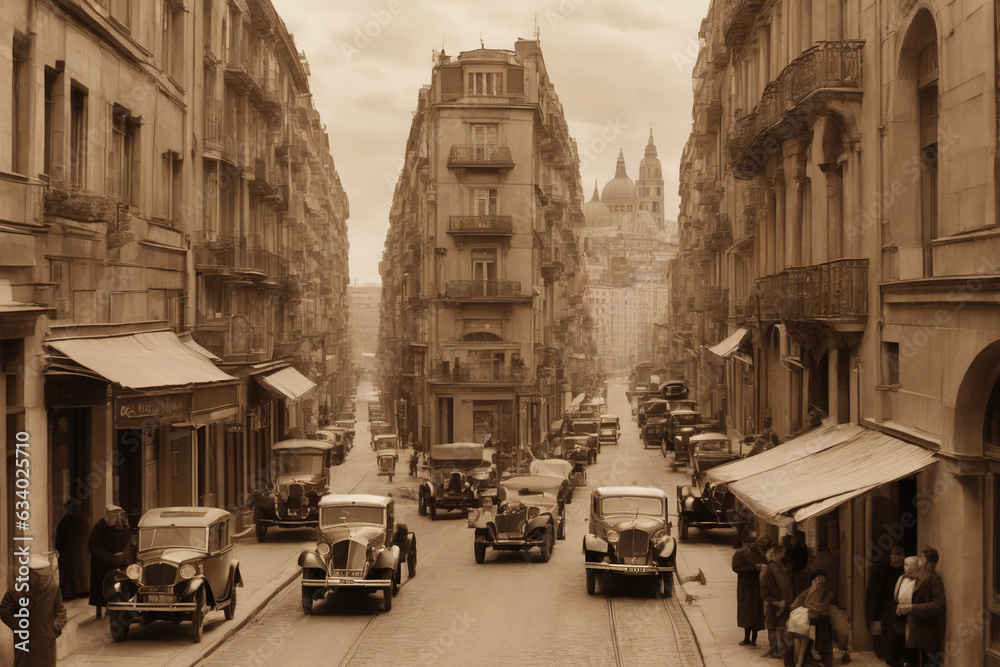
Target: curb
(702, 632)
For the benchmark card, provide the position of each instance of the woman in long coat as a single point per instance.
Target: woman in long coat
(110, 548)
(748, 561)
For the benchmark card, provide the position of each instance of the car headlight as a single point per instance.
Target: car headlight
(323, 548)
(660, 534)
(134, 571)
(612, 536)
(187, 571)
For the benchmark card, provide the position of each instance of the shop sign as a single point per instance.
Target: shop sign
(140, 410)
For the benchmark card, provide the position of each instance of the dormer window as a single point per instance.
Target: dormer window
(485, 83)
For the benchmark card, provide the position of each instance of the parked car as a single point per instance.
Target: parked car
(386, 455)
(654, 421)
(456, 477)
(379, 428)
(337, 438)
(674, 389)
(558, 468)
(184, 569)
(709, 505)
(579, 439)
(610, 430)
(629, 534)
(530, 514)
(360, 545)
(300, 476)
(680, 427)
(348, 426)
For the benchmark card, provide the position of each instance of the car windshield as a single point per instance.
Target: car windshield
(656, 408)
(351, 514)
(299, 464)
(687, 420)
(714, 446)
(631, 505)
(583, 428)
(173, 536)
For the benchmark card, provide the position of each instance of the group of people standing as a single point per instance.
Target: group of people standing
(906, 609)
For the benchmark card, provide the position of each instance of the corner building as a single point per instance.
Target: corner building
(840, 213)
(483, 325)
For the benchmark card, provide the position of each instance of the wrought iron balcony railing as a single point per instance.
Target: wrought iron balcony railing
(836, 290)
(481, 224)
(480, 156)
(482, 289)
(480, 375)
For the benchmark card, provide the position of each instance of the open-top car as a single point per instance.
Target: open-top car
(709, 505)
(530, 514)
(360, 545)
(629, 534)
(610, 430)
(558, 468)
(456, 478)
(184, 569)
(300, 475)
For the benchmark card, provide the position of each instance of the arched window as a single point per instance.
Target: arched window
(480, 337)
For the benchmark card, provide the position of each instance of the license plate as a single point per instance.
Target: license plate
(161, 599)
(635, 569)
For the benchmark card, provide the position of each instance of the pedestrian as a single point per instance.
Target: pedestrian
(45, 611)
(765, 440)
(809, 622)
(414, 455)
(110, 549)
(925, 615)
(74, 557)
(880, 609)
(748, 562)
(776, 591)
(903, 594)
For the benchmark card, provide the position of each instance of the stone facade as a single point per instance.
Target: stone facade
(483, 325)
(839, 202)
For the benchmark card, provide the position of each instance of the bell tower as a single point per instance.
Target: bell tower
(649, 185)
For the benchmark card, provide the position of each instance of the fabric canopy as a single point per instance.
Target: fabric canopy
(730, 345)
(287, 382)
(136, 361)
(818, 471)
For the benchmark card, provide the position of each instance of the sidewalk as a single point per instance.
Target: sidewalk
(711, 611)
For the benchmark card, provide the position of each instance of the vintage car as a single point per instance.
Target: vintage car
(335, 436)
(184, 569)
(629, 534)
(709, 505)
(530, 514)
(379, 428)
(360, 545)
(674, 389)
(346, 426)
(559, 468)
(579, 440)
(680, 427)
(653, 422)
(456, 478)
(610, 430)
(386, 455)
(300, 477)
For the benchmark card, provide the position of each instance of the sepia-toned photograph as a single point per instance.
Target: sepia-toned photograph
(654, 332)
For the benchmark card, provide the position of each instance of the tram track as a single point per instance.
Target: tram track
(629, 621)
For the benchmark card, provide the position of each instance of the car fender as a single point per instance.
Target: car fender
(235, 577)
(484, 534)
(387, 559)
(118, 586)
(594, 543)
(311, 559)
(539, 523)
(185, 590)
(686, 499)
(666, 547)
(428, 489)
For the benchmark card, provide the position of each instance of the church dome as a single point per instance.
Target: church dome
(621, 188)
(595, 212)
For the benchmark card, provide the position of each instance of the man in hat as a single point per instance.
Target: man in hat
(747, 564)
(46, 616)
(110, 549)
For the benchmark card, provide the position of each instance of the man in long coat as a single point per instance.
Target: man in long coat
(881, 607)
(74, 556)
(925, 617)
(778, 594)
(748, 561)
(46, 614)
(110, 549)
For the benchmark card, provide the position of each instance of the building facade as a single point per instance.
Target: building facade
(173, 260)
(365, 303)
(838, 249)
(483, 325)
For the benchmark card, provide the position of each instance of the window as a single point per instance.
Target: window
(51, 77)
(121, 11)
(124, 137)
(20, 83)
(484, 201)
(891, 363)
(484, 138)
(172, 33)
(77, 139)
(484, 264)
(485, 83)
(62, 292)
(171, 188)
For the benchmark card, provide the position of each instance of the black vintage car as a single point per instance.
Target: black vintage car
(653, 422)
(530, 514)
(456, 477)
(360, 546)
(708, 505)
(300, 476)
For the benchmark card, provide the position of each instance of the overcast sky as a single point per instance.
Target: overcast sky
(616, 65)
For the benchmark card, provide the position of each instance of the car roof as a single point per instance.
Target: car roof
(334, 499)
(682, 413)
(603, 417)
(544, 483)
(182, 516)
(550, 466)
(302, 443)
(643, 491)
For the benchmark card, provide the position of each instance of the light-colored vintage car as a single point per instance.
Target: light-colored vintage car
(610, 430)
(530, 514)
(456, 477)
(360, 545)
(184, 569)
(300, 476)
(386, 455)
(629, 534)
(558, 468)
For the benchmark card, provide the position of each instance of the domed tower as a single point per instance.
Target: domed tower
(595, 212)
(619, 193)
(649, 187)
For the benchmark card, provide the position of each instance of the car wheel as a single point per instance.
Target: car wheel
(591, 582)
(387, 592)
(307, 601)
(561, 531)
(198, 616)
(411, 559)
(480, 552)
(433, 511)
(682, 526)
(261, 530)
(422, 505)
(548, 542)
(659, 585)
(668, 584)
(230, 609)
(119, 625)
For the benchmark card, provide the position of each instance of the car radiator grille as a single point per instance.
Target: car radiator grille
(632, 543)
(294, 502)
(160, 574)
(510, 525)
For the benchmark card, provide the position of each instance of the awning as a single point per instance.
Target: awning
(576, 401)
(287, 382)
(730, 345)
(135, 361)
(818, 471)
(190, 342)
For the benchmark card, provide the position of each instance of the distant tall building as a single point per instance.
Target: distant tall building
(363, 328)
(627, 249)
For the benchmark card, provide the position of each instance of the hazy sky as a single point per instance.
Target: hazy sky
(617, 66)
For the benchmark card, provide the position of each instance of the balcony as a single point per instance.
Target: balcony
(484, 290)
(234, 339)
(719, 234)
(552, 265)
(241, 74)
(79, 206)
(827, 68)
(485, 225)
(265, 179)
(479, 374)
(480, 157)
(738, 20)
(215, 257)
(832, 292)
